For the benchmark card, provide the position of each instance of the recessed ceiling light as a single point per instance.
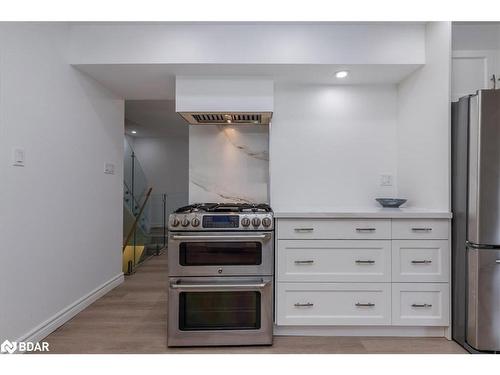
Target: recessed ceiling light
(341, 74)
(134, 132)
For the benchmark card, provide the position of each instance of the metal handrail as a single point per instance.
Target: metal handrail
(134, 225)
(164, 220)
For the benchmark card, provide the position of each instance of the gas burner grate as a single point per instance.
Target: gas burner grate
(225, 207)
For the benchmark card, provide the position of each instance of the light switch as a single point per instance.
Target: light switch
(386, 180)
(109, 168)
(18, 157)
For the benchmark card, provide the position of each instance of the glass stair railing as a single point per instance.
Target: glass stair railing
(145, 214)
(139, 242)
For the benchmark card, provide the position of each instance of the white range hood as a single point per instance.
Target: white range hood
(224, 100)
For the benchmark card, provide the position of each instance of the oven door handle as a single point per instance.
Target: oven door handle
(219, 286)
(221, 237)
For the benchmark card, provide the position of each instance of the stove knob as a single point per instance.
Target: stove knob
(255, 221)
(175, 222)
(266, 222)
(245, 221)
(185, 222)
(195, 222)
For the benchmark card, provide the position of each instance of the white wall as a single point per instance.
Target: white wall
(424, 125)
(287, 43)
(60, 215)
(476, 36)
(165, 161)
(330, 144)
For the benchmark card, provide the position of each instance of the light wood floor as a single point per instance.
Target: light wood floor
(132, 319)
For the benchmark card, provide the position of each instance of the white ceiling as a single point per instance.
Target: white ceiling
(157, 81)
(154, 118)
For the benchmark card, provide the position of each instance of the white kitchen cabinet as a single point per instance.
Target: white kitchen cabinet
(334, 229)
(334, 303)
(334, 260)
(420, 261)
(408, 229)
(420, 304)
(394, 273)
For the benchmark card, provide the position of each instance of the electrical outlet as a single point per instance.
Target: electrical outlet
(386, 180)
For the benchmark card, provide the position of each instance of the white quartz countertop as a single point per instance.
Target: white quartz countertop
(375, 213)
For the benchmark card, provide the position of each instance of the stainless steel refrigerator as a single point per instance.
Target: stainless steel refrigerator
(476, 221)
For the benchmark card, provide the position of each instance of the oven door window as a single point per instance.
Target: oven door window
(206, 311)
(220, 253)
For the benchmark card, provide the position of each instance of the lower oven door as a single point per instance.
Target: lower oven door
(206, 311)
(220, 254)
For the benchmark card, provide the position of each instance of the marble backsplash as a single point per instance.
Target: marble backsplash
(229, 163)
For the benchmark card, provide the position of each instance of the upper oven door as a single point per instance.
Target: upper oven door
(220, 254)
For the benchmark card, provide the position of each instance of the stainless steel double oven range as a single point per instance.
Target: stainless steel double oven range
(221, 267)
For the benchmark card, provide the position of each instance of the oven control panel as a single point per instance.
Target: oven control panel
(221, 222)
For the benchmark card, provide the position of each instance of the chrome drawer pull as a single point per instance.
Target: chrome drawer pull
(307, 304)
(426, 261)
(304, 261)
(421, 229)
(369, 304)
(366, 229)
(497, 261)
(364, 261)
(304, 230)
(425, 305)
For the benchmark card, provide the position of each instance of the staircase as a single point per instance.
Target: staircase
(142, 239)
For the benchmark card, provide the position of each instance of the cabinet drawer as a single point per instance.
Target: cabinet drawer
(333, 229)
(334, 260)
(409, 229)
(420, 304)
(420, 261)
(334, 304)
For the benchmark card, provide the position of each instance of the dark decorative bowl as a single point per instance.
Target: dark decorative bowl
(391, 202)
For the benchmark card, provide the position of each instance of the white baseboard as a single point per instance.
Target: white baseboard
(395, 331)
(58, 319)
